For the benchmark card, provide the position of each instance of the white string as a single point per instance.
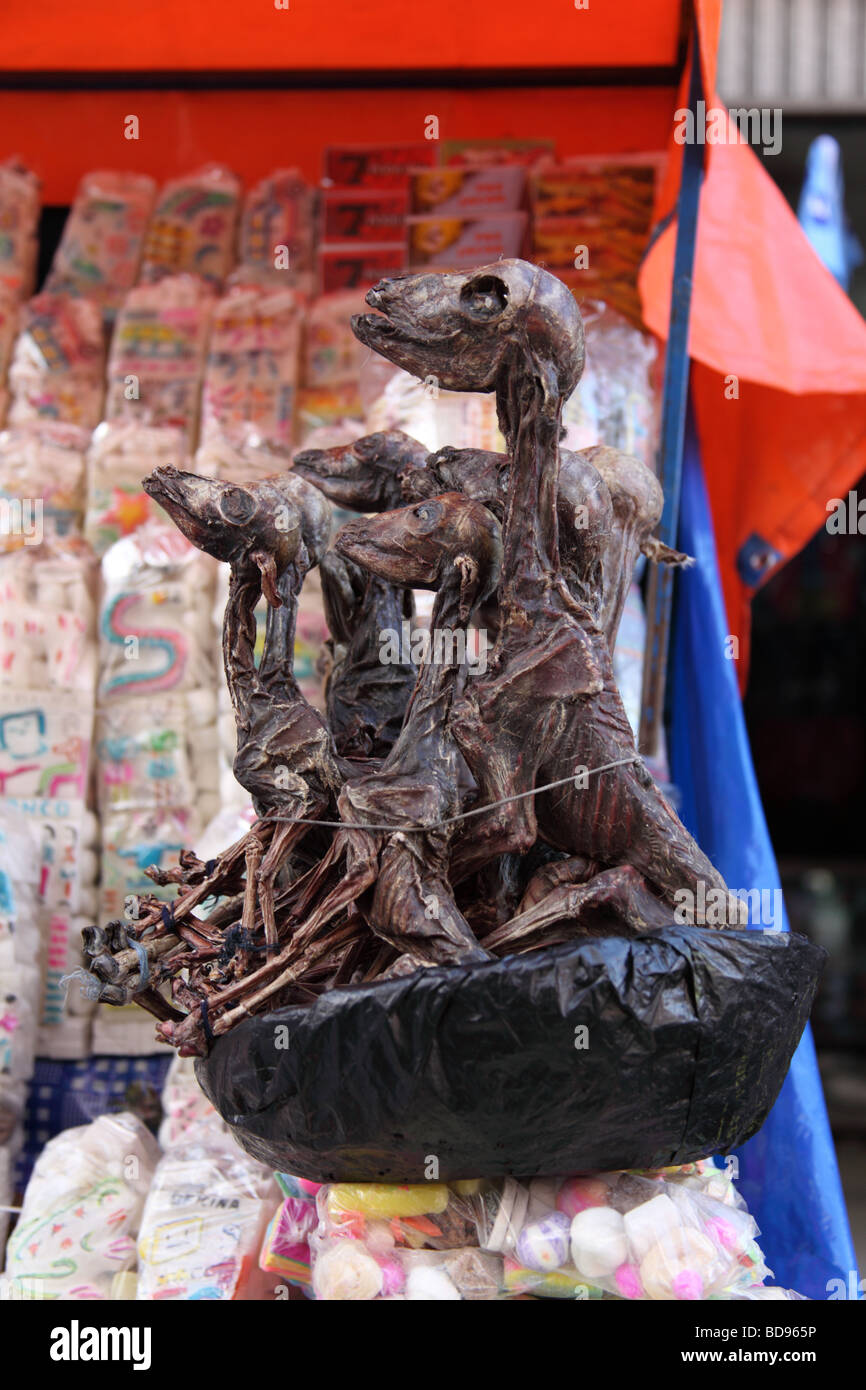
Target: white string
(463, 815)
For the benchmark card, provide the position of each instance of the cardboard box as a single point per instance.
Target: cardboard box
(375, 166)
(367, 215)
(461, 243)
(353, 265)
(468, 191)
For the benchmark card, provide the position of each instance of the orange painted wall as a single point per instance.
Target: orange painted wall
(63, 134)
(336, 34)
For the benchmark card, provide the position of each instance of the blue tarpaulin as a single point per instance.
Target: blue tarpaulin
(788, 1173)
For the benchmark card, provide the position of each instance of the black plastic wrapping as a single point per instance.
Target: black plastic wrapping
(487, 1069)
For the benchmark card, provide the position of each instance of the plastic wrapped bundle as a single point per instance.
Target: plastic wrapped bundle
(154, 622)
(48, 629)
(19, 219)
(20, 951)
(277, 227)
(194, 227)
(157, 357)
(82, 1210)
(616, 402)
(42, 473)
(184, 1104)
(252, 366)
(119, 457)
(204, 1220)
(676, 1234)
(101, 245)
(8, 333)
(58, 363)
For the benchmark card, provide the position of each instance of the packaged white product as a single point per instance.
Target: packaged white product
(204, 1220)
(82, 1209)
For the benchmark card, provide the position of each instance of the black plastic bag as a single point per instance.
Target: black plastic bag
(613, 1053)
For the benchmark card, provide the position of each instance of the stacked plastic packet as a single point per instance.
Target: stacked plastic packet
(156, 764)
(120, 456)
(47, 677)
(277, 232)
(678, 1234)
(19, 219)
(157, 357)
(252, 369)
(100, 249)
(591, 223)
(58, 363)
(615, 402)
(41, 483)
(395, 400)
(8, 334)
(205, 1219)
(194, 227)
(76, 1236)
(20, 985)
(330, 410)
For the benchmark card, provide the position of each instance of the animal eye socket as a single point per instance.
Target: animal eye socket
(423, 513)
(237, 505)
(484, 298)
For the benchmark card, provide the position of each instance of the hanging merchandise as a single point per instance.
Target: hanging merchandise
(42, 482)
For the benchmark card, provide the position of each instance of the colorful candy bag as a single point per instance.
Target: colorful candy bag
(47, 617)
(675, 1234)
(394, 399)
(156, 363)
(184, 1104)
(41, 483)
(154, 625)
(119, 457)
(204, 1219)
(82, 1209)
(278, 217)
(193, 227)
(332, 353)
(58, 362)
(20, 949)
(100, 249)
(252, 365)
(19, 221)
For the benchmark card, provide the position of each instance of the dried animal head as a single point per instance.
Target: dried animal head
(270, 524)
(467, 330)
(365, 474)
(425, 544)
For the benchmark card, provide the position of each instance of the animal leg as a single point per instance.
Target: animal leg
(414, 910)
(620, 891)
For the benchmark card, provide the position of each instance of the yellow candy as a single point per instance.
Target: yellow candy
(467, 1187)
(388, 1199)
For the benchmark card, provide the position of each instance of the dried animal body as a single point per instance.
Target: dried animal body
(418, 825)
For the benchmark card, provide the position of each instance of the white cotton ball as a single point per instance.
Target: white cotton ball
(598, 1243)
(431, 1285)
(650, 1222)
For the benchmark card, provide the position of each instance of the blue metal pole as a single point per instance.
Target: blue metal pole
(660, 587)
